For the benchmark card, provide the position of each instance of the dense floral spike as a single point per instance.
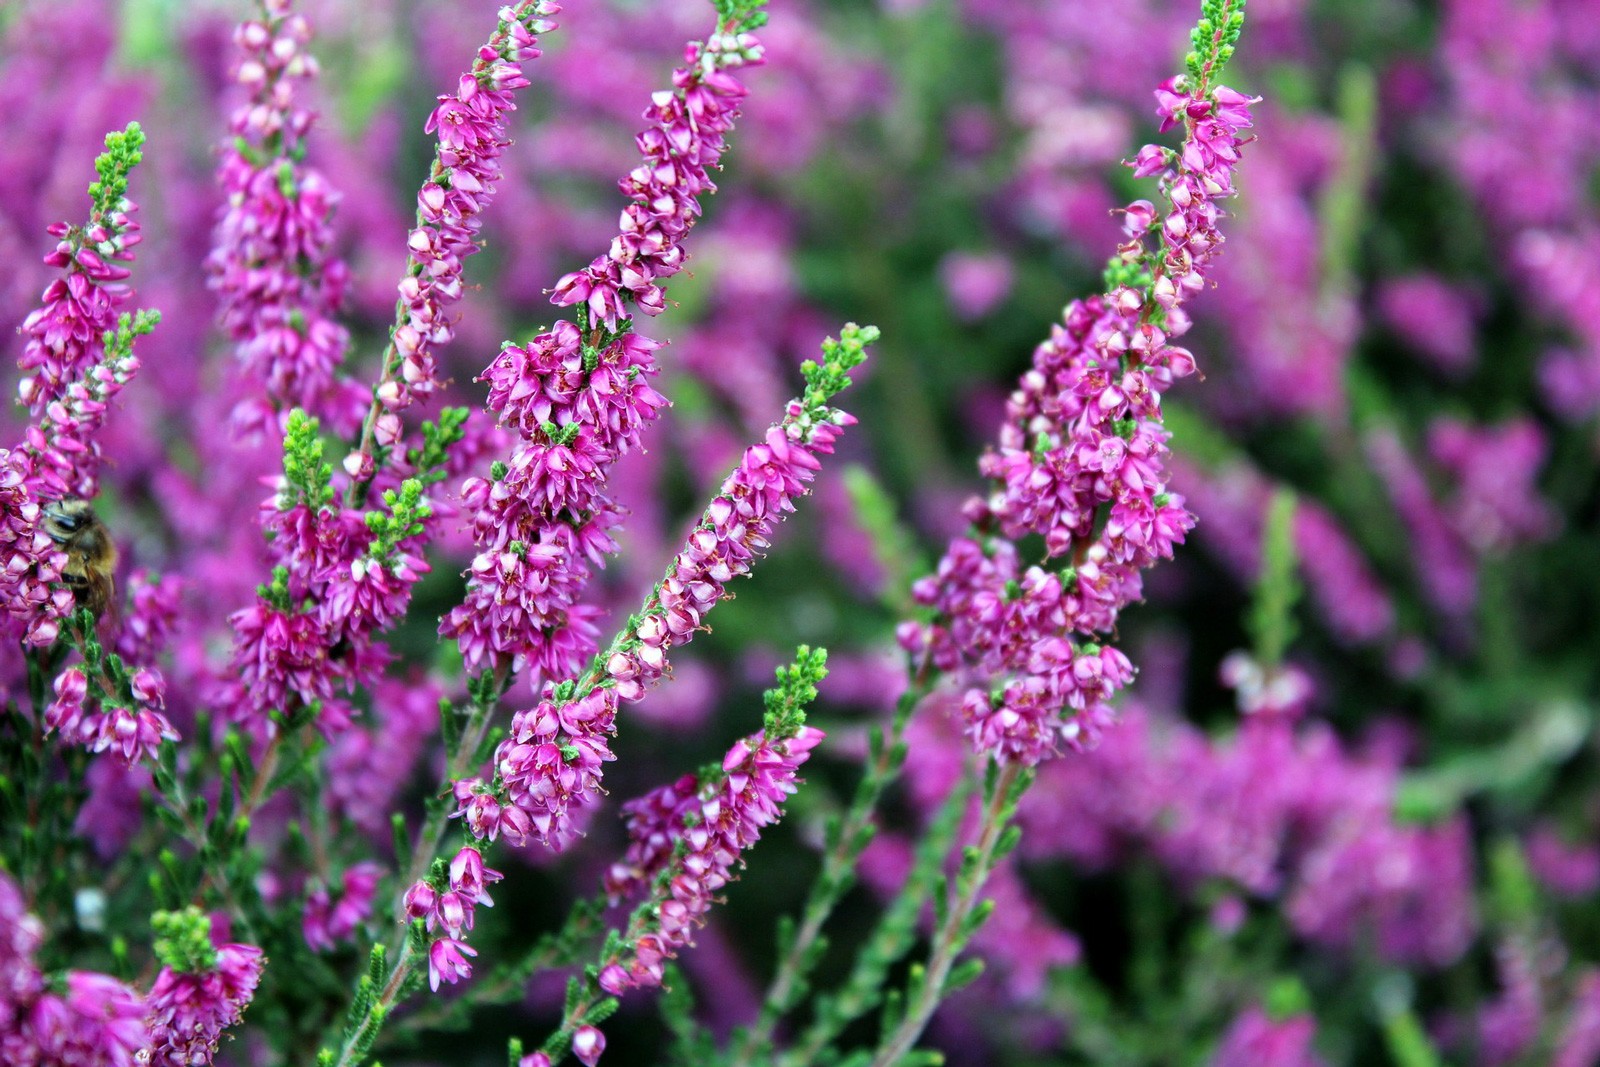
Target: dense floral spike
(1080, 463)
(272, 265)
(579, 395)
(342, 578)
(685, 841)
(714, 820)
(550, 762)
(542, 520)
(64, 445)
(202, 990)
(34, 599)
(66, 333)
(471, 127)
(682, 144)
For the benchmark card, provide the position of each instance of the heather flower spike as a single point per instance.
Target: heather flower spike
(273, 267)
(65, 333)
(471, 129)
(1081, 456)
(1080, 465)
(684, 842)
(579, 394)
(202, 990)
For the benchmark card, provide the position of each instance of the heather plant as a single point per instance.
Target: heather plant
(349, 715)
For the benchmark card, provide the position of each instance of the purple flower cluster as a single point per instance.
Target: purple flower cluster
(95, 1021)
(541, 520)
(1286, 815)
(30, 562)
(683, 142)
(187, 1012)
(471, 127)
(1257, 1040)
(550, 762)
(579, 396)
(684, 840)
(272, 265)
(450, 904)
(131, 727)
(1083, 442)
(326, 924)
(1495, 503)
(338, 583)
(65, 333)
(63, 446)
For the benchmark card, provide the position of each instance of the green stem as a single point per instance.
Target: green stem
(833, 881)
(954, 932)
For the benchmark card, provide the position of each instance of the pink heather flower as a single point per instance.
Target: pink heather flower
(187, 1013)
(1509, 1024)
(1356, 605)
(1444, 561)
(1494, 503)
(1256, 1040)
(587, 1045)
(98, 1022)
(65, 333)
(471, 125)
(1434, 318)
(325, 924)
(63, 446)
(447, 961)
(718, 820)
(1083, 439)
(34, 601)
(543, 522)
(682, 144)
(1579, 1042)
(132, 734)
(452, 905)
(1568, 870)
(1408, 887)
(579, 402)
(273, 267)
(975, 284)
(314, 631)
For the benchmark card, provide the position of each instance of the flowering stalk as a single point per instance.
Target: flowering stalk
(891, 940)
(550, 762)
(272, 266)
(1080, 464)
(471, 128)
(78, 355)
(800, 948)
(579, 394)
(65, 333)
(579, 397)
(684, 841)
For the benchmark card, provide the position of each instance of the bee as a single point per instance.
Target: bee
(91, 557)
